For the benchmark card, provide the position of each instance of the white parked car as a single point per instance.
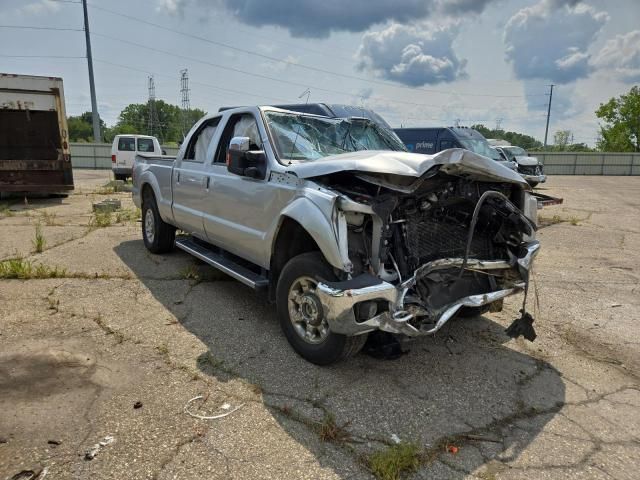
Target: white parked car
(529, 167)
(124, 150)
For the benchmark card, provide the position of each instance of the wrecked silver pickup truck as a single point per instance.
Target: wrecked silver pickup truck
(346, 231)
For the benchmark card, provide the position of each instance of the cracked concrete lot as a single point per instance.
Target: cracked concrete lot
(119, 326)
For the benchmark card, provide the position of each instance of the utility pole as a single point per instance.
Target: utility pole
(97, 136)
(151, 107)
(546, 132)
(186, 102)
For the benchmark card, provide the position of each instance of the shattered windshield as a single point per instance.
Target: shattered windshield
(481, 147)
(516, 151)
(299, 137)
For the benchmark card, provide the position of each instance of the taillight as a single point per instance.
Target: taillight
(65, 145)
(113, 159)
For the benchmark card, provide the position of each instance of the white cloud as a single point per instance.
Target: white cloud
(413, 55)
(40, 7)
(550, 40)
(621, 55)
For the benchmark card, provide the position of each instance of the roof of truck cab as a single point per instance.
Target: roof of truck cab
(134, 135)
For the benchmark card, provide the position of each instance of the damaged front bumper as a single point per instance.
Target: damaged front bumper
(340, 298)
(535, 178)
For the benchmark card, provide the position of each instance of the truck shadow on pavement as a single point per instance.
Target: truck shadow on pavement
(464, 387)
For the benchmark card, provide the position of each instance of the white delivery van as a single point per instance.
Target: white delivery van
(124, 150)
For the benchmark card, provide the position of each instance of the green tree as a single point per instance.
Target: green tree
(81, 127)
(514, 138)
(170, 123)
(621, 117)
(561, 139)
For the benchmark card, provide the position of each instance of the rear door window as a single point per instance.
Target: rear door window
(200, 141)
(145, 145)
(127, 144)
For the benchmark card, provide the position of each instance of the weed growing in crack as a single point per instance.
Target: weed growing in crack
(546, 221)
(330, 431)
(128, 215)
(190, 272)
(19, 268)
(574, 221)
(108, 330)
(101, 220)
(54, 304)
(49, 218)
(5, 211)
(39, 242)
(396, 461)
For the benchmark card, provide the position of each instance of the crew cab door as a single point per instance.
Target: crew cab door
(239, 210)
(189, 181)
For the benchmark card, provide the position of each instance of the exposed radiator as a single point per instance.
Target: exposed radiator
(428, 239)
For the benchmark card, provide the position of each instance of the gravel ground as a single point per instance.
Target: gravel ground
(120, 343)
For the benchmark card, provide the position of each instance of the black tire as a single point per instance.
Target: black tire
(120, 176)
(161, 237)
(333, 347)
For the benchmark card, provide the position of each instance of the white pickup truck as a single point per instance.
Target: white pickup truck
(346, 231)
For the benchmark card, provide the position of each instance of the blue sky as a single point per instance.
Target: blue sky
(416, 62)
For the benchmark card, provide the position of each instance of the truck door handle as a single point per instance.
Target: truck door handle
(178, 179)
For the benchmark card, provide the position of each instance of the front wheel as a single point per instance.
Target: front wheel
(302, 316)
(158, 235)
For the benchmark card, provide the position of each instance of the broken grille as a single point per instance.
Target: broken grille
(429, 239)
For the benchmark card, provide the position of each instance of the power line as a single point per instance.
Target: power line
(41, 56)
(258, 75)
(29, 27)
(230, 90)
(300, 65)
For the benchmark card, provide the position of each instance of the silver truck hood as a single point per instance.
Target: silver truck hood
(455, 161)
(527, 161)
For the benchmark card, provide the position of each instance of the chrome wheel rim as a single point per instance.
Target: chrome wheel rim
(149, 225)
(306, 312)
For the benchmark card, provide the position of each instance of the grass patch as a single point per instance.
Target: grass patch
(101, 220)
(5, 211)
(114, 186)
(39, 242)
(190, 272)
(330, 431)
(49, 218)
(128, 215)
(550, 220)
(22, 269)
(396, 461)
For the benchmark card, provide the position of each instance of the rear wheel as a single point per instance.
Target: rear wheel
(302, 316)
(158, 235)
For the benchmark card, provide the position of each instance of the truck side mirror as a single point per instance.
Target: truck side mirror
(244, 162)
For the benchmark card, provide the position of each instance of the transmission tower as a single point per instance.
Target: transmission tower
(153, 124)
(186, 103)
